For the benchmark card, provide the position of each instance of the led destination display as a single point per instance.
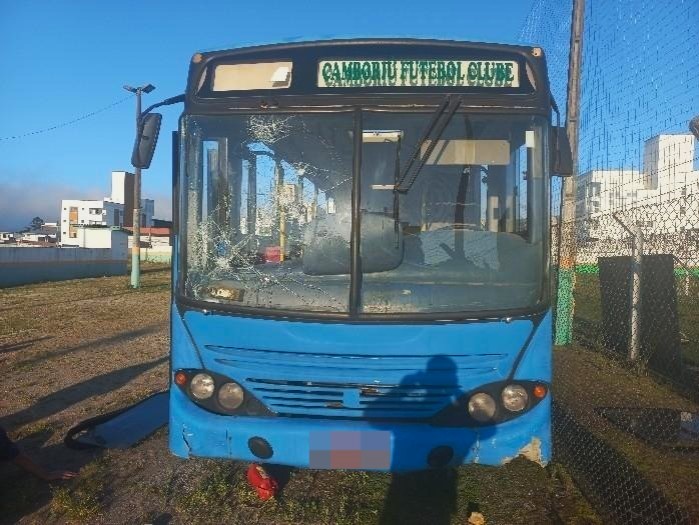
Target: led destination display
(418, 73)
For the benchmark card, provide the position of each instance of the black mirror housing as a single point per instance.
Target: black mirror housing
(147, 138)
(560, 153)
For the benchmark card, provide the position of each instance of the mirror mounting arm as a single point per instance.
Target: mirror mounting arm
(167, 102)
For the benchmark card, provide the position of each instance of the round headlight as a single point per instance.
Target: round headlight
(202, 386)
(231, 396)
(481, 406)
(514, 398)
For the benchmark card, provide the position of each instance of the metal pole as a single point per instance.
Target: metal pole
(136, 245)
(566, 265)
(281, 212)
(635, 340)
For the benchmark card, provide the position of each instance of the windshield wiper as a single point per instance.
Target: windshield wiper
(446, 110)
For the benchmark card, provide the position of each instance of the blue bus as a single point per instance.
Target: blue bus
(361, 259)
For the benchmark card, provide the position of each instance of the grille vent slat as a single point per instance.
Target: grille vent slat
(356, 386)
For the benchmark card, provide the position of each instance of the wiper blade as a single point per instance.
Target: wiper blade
(415, 164)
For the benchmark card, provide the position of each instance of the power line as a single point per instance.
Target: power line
(69, 122)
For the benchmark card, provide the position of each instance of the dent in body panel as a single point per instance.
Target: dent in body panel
(476, 448)
(530, 451)
(186, 435)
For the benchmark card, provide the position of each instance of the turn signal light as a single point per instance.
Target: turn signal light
(539, 391)
(180, 378)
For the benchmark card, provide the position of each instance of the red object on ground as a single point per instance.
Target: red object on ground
(273, 254)
(265, 485)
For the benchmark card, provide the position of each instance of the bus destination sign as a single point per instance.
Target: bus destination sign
(418, 73)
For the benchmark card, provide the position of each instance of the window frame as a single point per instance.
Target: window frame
(354, 315)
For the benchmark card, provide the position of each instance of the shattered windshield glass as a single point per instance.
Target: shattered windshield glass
(267, 210)
(269, 197)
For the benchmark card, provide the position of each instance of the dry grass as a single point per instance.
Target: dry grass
(84, 347)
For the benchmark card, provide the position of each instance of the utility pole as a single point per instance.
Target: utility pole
(136, 245)
(566, 264)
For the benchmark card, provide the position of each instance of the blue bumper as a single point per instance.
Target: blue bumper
(196, 432)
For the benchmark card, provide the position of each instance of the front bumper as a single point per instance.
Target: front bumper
(196, 432)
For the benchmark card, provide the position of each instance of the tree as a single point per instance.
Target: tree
(36, 224)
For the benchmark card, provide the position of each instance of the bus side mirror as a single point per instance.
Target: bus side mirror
(147, 137)
(561, 156)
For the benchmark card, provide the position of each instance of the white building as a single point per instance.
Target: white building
(104, 237)
(668, 175)
(116, 210)
(7, 237)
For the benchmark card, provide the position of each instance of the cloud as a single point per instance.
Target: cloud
(24, 198)
(25, 194)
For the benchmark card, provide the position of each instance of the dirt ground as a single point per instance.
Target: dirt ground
(75, 349)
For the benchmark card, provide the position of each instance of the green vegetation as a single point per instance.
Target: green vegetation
(81, 500)
(588, 314)
(586, 380)
(520, 492)
(86, 318)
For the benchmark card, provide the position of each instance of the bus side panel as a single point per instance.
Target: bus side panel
(536, 363)
(182, 355)
(536, 366)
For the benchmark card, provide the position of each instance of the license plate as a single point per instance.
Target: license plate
(350, 450)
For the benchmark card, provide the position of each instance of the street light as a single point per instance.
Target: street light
(136, 246)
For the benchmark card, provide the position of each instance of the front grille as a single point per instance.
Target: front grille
(358, 386)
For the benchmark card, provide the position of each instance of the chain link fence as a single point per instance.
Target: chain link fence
(626, 411)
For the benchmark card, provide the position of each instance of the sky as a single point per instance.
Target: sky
(63, 59)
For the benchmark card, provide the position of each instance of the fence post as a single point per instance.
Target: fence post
(635, 339)
(566, 260)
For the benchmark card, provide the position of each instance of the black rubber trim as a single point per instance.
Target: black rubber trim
(355, 239)
(186, 303)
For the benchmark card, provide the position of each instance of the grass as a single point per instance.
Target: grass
(210, 497)
(587, 376)
(83, 333)
(588, 314)
(585, 380)
(534, 495)
(37, 429)
(80, 501)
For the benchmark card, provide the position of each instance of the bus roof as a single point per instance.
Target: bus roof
(318, 72)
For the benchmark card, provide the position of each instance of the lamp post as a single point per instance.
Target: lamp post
(136, 246)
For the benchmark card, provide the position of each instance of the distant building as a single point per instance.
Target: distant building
(36, 237)
(116, 210)
(156, 244)
(162, 223)
(151, 237)
(668, 174)
(104, 237)
(7, 237)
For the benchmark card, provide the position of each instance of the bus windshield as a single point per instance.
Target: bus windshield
(268, 220)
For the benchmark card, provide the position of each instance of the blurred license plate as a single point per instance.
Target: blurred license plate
(350, 450)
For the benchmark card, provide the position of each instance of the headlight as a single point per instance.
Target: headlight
(514, 398)
(202, 386)
(481, 406)
(230, 396)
